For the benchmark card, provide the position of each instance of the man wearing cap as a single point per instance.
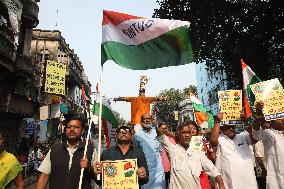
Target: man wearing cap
(234, 158)
(125, 150)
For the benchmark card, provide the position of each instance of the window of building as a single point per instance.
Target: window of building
(42, 53)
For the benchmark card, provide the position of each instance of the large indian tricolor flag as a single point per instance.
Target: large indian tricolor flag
(140, 43)
(249, 78)
(109, 120)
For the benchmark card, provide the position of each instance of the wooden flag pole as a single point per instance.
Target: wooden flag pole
(89, 130)
(100, 119)
(86, 145)
(85, 150)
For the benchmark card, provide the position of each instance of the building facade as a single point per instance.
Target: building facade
(18, 94)
(50, 45)
(209, 82)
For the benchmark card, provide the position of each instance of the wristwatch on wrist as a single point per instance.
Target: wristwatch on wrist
(258, 116)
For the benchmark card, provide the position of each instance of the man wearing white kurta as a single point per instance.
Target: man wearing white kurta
(187, 163)
(234, 158)
(273, 142)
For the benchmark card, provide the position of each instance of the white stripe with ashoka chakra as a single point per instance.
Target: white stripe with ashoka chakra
(158, 27)
(247, 76)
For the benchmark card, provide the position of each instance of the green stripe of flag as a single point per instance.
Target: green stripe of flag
(107, 114)
(170, 49)
(253, 80)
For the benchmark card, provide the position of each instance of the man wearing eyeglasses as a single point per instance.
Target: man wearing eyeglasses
(125, 150)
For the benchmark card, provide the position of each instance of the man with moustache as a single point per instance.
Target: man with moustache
(234, 158)
(146, 139)
(186, 163)
(125, 150)
(62, 165)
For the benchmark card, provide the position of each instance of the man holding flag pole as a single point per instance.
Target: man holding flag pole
(61, 166)
(78, 172)
(139, 43)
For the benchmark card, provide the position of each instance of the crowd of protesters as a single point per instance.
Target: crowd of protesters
(252, 159)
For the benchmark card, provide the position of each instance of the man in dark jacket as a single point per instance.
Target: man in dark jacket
(62, 165)
(125, 150)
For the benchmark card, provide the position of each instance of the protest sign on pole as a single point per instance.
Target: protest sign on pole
(272, 94)
(120, 174)
(55, 77)
(230, 103)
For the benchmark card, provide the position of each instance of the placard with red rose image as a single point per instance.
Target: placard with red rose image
(230, 103)
(120, 174)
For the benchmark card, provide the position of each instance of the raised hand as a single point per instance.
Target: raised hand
(219, 116)
(258, 108)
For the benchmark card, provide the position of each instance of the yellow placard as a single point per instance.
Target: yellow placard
(120, 174)
(55, 77)
(230, 103)
(262, 89)
(272, 94)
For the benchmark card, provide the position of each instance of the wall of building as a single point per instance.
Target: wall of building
(18, 96)
(52, 46)
(209, 82)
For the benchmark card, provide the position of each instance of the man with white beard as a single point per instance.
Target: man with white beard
(146, 139)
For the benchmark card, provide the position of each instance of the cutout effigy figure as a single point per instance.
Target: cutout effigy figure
(140, 104)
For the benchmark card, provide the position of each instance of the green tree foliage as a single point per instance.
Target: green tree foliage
(228, 30)
(164, 110)
(190, 88)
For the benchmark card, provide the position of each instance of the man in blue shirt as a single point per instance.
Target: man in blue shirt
(146, 139)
